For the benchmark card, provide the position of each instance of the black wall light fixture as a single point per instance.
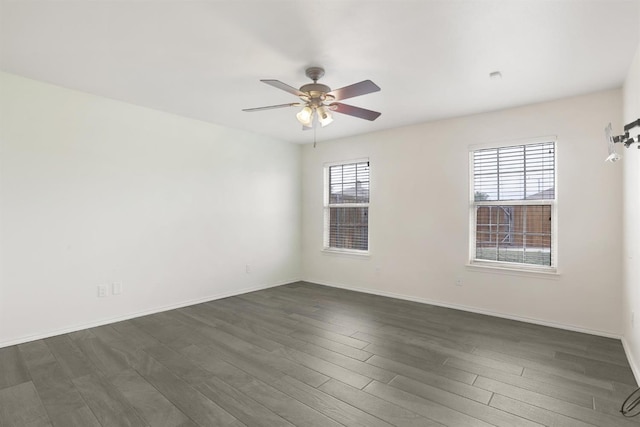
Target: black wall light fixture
(628, 138)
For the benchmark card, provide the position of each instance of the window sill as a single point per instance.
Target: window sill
(546, 273)
(346, 252)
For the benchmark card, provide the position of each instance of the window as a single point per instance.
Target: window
(513, 204)
(346, 207)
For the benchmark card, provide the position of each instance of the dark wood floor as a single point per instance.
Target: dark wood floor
(309, 355)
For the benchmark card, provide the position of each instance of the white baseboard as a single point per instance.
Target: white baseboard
(102, 322)
(632, 364)
(469, 309)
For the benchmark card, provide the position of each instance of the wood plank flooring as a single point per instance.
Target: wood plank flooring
(310, 355)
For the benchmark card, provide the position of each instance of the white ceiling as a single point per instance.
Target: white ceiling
(432, 59)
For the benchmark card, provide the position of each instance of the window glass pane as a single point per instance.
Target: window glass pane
(349, 228)
(335, 193)
(349, 183)
(523, 172)
(518, 233)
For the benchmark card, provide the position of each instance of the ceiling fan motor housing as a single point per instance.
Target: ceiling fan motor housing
(315, 92)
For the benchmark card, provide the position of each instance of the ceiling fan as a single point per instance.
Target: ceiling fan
(318, 100)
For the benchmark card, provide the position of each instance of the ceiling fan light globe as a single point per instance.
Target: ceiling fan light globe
(324, 116)
(305, 116)
(327, 121)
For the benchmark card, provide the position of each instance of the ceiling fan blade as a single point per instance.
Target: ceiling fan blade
(356, 89)
(272, 107)
(278, 84)
(350, 110)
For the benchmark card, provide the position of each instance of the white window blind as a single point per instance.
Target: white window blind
(514, 204)
(347, 207)
(522, 172)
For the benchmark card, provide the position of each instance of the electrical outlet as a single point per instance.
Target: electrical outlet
(102, 291)
(458, 282)
(247, 268)
(116, 288)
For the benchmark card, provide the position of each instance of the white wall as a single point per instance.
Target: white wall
(631, 160)
(95, 191)
(419, 215)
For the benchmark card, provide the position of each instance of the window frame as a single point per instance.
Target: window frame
(327, 206)
(472, 261)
